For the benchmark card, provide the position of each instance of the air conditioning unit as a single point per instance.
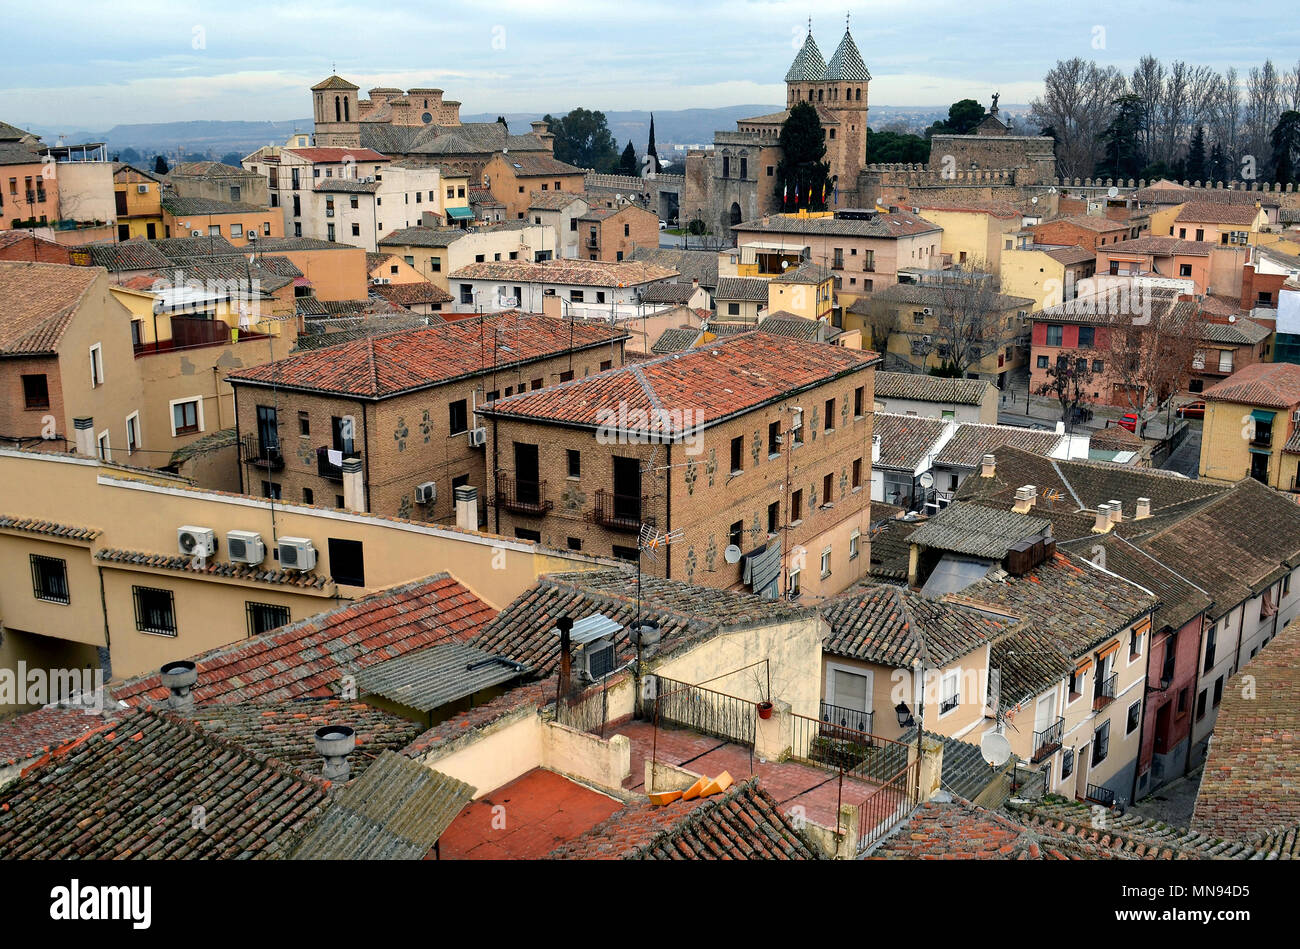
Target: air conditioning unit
(477, 437)
(297, 553)
(141, 189)
(925, 339)
(599, 659)
(245, 547)
(196, 233)
(927, 311)
(426, 493)
(196, 541)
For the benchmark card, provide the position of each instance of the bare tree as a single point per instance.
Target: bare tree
(1077, 105)
(1069, 381)
(1225, 114)
(1151, 349)
(1148, 85)
(1263, 106)
(971, 316)
(1292, 86)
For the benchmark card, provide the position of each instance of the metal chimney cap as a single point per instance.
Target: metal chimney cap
(335, 741)
(179, 675)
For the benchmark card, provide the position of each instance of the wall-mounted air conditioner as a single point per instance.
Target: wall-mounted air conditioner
(141, 189)
(598, 659)
(245, 547)
(477, 437)
(426, 493)
(927, 311)
(297, 553)
(196, 541)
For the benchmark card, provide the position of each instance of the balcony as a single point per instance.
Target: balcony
(1100, 795)
(1104, 693)
(522, 497)
(618, 512)
(1263, 438)
(1048, 741)
(841, 724)
(253, 451)
(189, 332)
(592, 243)
(326, 468)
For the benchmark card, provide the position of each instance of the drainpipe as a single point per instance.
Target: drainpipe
(1146, 692)
(668, 510)
(365, 442)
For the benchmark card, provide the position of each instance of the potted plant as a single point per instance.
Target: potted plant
(763, 684)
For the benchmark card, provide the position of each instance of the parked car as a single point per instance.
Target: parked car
(1129, 420)
(663, 225)
(1192, 409)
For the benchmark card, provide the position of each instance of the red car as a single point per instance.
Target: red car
(1192, 410)
(1130, 421)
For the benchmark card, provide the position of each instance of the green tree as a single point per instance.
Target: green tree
(130, 156)
(963, 116)
(1198, 167)
(896, 147)
(232, 158)
(160, 165)
(1286, 147)
(627, 165)
(650, 150)
(1122, 157)
(801, 174)
(583, 138)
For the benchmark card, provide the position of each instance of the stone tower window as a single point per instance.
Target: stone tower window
(338, 110)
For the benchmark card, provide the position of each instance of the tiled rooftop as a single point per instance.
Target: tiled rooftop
(972, 441)
(977, 531)
(1271, 384)
(883, 224)
(382, 366)
(716, 381)
(926, 388)
(745, 289)
(1217, 212)
(34, 733)
(309, 659)
(40, 301)
(585, 273)
(412, 294)
(906, 440)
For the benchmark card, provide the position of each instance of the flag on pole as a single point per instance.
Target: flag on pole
(785, 195)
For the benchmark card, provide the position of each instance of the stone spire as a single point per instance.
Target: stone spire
(808, 66)
(847, 64)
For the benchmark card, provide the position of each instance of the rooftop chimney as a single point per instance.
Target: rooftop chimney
(180, 677)
(85, 432)
(1116, 511)
(1143, 508)
(564, 624)
(988, 467)
(466, 499)
(875, 449)
(334, 743)
(354, 485)
(1103, 519)
(1025, 495)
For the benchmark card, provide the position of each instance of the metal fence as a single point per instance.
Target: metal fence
(705, 711)
(1028, 783)
(888, 805)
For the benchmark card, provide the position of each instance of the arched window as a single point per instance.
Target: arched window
(735, 213)
(338, 110)
(347, 111)
(859, 95)
(819, 95)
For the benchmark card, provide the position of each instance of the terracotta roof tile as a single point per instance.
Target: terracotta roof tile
(1275, 385)
(39, 302)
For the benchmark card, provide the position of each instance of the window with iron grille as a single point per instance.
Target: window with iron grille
(1067, 763)
(1101, 743)
(155, 611)
(50, 579)
(264, 617)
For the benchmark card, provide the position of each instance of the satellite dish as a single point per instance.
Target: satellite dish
(1113, 192)
(927, 479)
(996, 749)
(1034, 199)
(1232, 317)
(785, 264)
(731, 554)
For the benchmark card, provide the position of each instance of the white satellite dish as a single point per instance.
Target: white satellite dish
(1113, 192)
(731, 554)
(926, 479)
(996, 749)
(1034, 199)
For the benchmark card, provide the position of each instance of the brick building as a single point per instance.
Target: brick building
(757, 441)
(612, 234)
(401, 404)
(1088, 231)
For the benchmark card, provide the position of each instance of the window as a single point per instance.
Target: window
(264, 617)
(737, 454)
(774, 517)
(773, 439)
(857, 472)
(626, 553)
(733, 309)
(356, 230)
(796, 506)
(951, 691)
(736, 534)
(467, 293)
(96, 365)
(1042, 362)
(308, 496)
(458, 417)
(853, 544)
(606, 364)
(1077, 678)
(1135, 640)
(36, 392)
(132, 433)
(826, 563)
(271, 490)
(1218, 691)
(566, 376)
(859, 397)
(794, 583)
(575, 463)
(187, 416)
(575, 296)
(1200, 704)
(236, 230)
(1134, 713)
(1225, 360)
(1087, 336)
(347, 562)
(1101, 743)
(828, 488)
(105, 446)
(304, 423)
(50, 579)
(1211, 639)
(830, 415)
(1055, 335)
(796, 428)
(155, 611)
(1098, 365)
(1067, 763)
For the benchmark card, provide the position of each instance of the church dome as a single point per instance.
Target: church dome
(847, 65)
(808, 66)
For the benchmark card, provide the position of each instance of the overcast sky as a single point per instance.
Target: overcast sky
(94, 65)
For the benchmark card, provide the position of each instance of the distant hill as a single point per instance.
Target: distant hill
(672, 127)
